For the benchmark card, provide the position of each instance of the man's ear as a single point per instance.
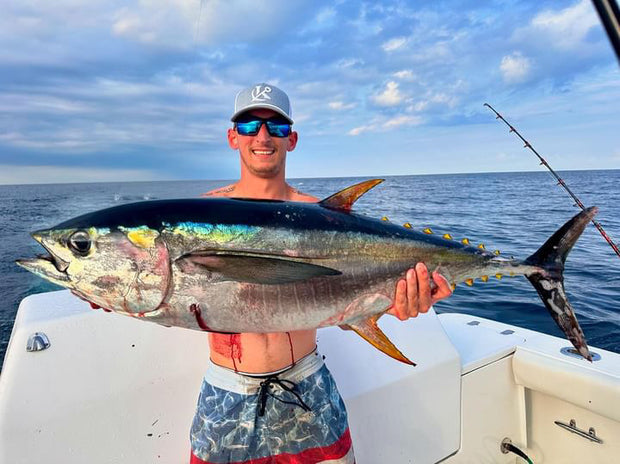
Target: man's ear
(292, 141)
(232, 139)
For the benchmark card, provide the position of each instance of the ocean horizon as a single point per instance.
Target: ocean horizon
(293, 179)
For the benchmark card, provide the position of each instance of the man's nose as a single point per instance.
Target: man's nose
(263, 134)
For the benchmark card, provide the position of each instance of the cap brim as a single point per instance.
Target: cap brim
(258, 106)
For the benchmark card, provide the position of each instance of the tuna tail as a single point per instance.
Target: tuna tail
(549, 282)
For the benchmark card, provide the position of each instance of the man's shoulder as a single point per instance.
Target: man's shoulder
(297, 195)
(220, 191)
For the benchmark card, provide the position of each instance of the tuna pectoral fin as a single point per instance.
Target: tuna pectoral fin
(370, 331)
(268, 270)
(549, 283)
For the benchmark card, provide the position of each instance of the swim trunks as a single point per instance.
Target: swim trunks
(293, 417)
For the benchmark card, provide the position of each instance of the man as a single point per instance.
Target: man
(267, 397)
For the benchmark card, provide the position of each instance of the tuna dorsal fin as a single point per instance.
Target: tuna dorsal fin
(344, 199)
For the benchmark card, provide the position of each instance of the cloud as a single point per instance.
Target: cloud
(404, 75)
(515, 68)
(61, 174)
(150, 83)
(41, 104)
(394, 44)
(359, 130)
(341, 106)
(568, 27)
(403, 120)
(390, 96)
(349, 62)
(387, 124)
(184, 23)
(326, 15)
(434, 99)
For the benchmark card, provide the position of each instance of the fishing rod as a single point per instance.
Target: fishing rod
(559, 179)
(610, 17)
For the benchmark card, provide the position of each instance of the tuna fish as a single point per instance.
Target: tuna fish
(244, 265)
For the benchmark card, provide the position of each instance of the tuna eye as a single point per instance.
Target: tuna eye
(80, 243)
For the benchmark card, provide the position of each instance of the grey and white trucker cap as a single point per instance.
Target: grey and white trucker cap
(263, 96)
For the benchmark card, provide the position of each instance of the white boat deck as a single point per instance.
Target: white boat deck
(114, 389)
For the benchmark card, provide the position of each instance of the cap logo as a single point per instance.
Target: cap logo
(261, 94)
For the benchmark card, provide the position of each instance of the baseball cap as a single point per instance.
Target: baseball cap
(263, 96)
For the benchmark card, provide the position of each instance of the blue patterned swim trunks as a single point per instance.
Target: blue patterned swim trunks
(293, 417)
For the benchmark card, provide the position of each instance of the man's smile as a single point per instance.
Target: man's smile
(263, 152)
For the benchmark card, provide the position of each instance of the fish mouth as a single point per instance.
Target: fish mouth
(50, 266)
(60, 264)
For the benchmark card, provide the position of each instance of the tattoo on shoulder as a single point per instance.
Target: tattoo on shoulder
(297, 192)
(220, 191)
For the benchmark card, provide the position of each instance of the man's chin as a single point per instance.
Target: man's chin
(265, 173)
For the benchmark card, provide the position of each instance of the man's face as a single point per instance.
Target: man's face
(262, 155)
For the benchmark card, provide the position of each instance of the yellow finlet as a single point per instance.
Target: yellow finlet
(469, 282)
(453, 287)
(496, 252)
(499, 276)
(484, 278)
(407, 225)
(427, 230)
(481, 246)
(465, 241)
(384, 218)
(447, 236)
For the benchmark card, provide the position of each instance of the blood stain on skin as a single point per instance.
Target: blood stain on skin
(228, 345)
(235, 348)
(290, 344)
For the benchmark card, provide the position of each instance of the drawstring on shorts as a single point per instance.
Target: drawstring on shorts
(286, 385)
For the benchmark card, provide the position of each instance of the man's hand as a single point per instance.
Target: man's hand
(414, 295)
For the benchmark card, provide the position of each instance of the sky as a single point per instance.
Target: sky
(110, 90)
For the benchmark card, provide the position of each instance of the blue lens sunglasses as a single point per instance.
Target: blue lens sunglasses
(276, 127)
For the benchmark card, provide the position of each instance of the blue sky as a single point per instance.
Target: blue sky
(109, 90)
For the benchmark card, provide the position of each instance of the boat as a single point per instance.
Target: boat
(79, 385)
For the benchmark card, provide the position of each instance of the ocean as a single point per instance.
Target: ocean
(512, 212)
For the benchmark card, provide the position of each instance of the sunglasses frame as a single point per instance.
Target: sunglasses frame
(272, 131)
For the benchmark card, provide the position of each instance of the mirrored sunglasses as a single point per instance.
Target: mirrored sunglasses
(250, 125)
